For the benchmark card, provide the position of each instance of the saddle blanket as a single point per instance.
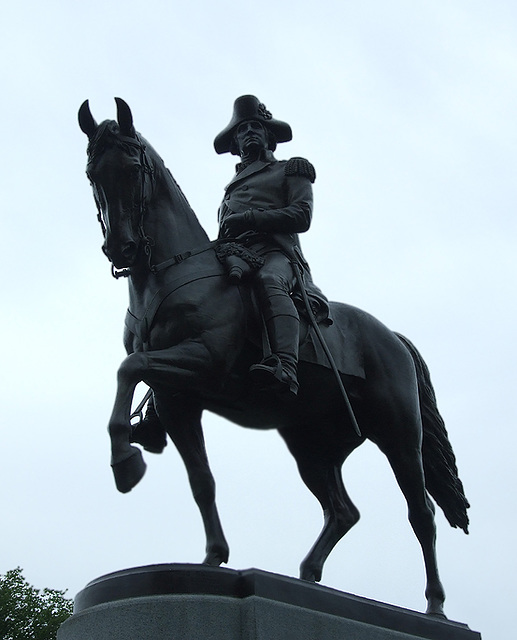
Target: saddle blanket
(343, 340)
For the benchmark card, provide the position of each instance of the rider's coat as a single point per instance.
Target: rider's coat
(280, 194)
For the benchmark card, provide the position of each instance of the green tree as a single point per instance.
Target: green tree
(27, 613)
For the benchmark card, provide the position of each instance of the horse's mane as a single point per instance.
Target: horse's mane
(106, 135)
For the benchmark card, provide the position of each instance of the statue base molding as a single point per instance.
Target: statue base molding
(195, 602)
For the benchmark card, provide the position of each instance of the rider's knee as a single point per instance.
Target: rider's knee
(269, 280)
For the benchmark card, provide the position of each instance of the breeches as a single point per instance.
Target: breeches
(274, 283)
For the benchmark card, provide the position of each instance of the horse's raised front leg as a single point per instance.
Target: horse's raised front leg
(181, 415)
(177, 368)
(127, 462)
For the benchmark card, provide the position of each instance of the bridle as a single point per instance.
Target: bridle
(147, 178)
(126, 134)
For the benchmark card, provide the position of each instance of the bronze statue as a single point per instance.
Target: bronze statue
(192, 335)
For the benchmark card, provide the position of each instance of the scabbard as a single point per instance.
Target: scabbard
(317, 330)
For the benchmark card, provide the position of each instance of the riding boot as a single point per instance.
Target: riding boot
(149, 432)
(278, 371)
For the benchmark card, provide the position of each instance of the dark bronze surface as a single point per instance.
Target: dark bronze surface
(192, 336)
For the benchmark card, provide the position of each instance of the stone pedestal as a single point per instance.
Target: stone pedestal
(196, 602)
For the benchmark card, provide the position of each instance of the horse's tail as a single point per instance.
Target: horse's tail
(441, 472)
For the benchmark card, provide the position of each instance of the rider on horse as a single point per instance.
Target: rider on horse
(266, 204)
(270, 201)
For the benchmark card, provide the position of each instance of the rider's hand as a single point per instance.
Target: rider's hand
(238, 223)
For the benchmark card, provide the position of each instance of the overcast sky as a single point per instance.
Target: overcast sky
(407, 110)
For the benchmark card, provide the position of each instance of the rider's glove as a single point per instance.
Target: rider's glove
(238, 223)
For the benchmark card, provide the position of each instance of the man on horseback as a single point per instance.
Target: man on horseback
(267, 203)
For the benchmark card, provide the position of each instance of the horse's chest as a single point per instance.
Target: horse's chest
(196, 311)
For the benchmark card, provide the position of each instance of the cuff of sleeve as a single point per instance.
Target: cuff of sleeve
(249, 217)
(258, 218)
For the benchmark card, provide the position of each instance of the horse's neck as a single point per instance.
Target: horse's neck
(172, 228)
(171, 223)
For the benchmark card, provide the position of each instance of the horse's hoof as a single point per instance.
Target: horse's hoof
(310, 575)
(130, 471)
(216, 557)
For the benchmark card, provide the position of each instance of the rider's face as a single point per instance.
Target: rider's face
(251, 135)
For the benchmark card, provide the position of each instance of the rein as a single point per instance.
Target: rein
(156, 268)
(179, 257)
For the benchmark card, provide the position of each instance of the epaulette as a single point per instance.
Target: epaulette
(300, 167)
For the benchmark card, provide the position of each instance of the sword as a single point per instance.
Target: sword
(317, 330)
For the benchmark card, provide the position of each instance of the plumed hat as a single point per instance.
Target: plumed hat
(249, 108)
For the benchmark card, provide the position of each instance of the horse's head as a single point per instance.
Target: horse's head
(120, 173)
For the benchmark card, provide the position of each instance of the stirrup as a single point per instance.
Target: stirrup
(270, 373)
(149, 432)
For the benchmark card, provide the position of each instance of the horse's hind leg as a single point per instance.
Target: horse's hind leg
(182, 418)
(406, 463)
(320, 469)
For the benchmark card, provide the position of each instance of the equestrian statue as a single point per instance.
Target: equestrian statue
(236, 326)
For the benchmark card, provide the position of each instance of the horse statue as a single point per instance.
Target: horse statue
(191, 335)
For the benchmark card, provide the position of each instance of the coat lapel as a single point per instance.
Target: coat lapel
(254, 167)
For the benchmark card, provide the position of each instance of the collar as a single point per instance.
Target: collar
(265, 156)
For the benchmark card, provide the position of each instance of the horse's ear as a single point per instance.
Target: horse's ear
(124, 117)
(86, 121)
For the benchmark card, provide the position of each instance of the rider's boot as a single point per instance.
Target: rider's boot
(278, 371)
(150, 432)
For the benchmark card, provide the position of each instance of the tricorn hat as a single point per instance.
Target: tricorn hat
(249, 108)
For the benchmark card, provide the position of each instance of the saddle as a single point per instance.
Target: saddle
(341, 338)
(241, 262)
(337, 323)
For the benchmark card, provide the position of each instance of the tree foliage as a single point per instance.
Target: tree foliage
(27, 613)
